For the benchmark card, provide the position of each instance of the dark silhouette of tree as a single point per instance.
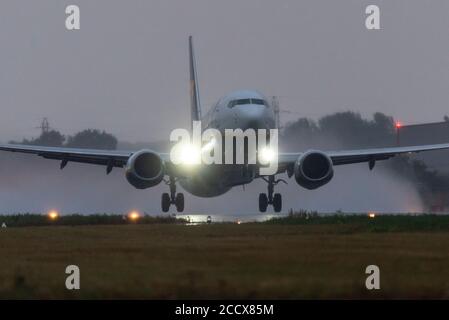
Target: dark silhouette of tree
(446, 118)
(383, 123)
(352, 131)
(92, 139)
(342, 129)
(301, 126)
(51, 138)
(296, 132)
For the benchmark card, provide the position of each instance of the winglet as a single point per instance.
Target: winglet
(195, 105)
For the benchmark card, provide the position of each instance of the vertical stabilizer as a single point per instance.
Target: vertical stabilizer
(195, 105)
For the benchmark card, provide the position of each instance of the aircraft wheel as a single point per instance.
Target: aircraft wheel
(179, 202)
(263, 202)
(277, 202)
(165, 202)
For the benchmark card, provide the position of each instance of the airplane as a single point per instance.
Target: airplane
(246, 109)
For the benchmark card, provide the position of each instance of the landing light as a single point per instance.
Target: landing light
(187, 154)
(371, 215)
(266, 155)
(53, 215)
(190, 154)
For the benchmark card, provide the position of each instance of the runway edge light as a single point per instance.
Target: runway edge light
(53, 215)
(134, 216)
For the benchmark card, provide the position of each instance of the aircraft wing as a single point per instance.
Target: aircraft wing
(116, 158)
(109, 158)
(365, 155)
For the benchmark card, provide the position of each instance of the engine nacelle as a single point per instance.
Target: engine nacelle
(145, 169)
(313, 169)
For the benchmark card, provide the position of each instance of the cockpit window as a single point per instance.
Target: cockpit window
(238, 102)
(258, 101)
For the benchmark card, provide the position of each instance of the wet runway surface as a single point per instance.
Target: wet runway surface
(252, 217)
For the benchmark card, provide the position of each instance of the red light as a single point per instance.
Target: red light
(398, 125)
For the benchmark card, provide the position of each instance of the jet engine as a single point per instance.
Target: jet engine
(145, 169)
(313, 169)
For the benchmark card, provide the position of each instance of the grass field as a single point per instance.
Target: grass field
(299, 258)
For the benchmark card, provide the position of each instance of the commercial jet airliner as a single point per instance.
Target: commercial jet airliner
(243, 110)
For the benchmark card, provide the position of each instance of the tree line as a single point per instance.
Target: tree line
(89, 138)
(348, 130)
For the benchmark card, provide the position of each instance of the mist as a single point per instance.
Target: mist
(32, 184)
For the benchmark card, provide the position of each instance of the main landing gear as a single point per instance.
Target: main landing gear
(173, 198)
(270, 198)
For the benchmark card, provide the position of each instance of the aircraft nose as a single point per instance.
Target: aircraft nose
(253, 116)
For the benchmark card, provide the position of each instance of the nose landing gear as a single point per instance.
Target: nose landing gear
(173, 198)
(274, 199)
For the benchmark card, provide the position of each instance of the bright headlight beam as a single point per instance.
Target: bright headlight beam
(267, 155)
(189, 154)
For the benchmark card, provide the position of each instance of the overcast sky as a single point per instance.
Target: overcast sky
(126, 70)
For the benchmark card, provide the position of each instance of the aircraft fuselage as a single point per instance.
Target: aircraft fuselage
(230, 112)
